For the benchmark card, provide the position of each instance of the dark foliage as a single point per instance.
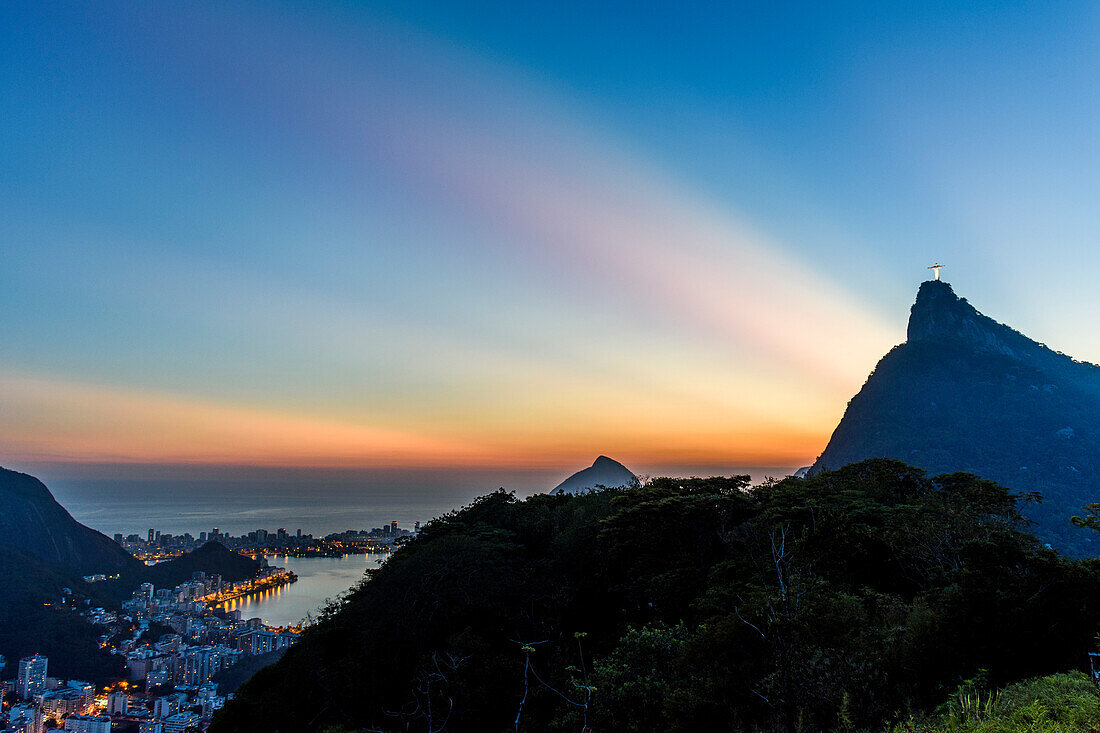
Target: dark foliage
(231, 678)
(852, 598)
(37, 617)
(154, 632)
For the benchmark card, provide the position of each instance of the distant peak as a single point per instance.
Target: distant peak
(604, 471)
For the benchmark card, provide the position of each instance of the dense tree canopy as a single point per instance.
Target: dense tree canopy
(37, 616)
(847, 600)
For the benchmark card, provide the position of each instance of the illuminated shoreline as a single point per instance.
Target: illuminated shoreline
(253, 587)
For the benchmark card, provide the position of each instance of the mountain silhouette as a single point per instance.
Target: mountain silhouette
(31, 520)
(604, 472)
(43, 554)
(966, 393)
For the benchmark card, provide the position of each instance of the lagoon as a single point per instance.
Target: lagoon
(320, 579)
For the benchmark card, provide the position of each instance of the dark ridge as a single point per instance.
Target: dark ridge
(45, 551)
(37, 616)
(966, 393)
(211, 558)
(32, 520)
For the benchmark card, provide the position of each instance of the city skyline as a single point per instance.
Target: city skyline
(417, 238)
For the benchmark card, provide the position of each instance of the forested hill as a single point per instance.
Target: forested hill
(35, 616)
(31, 520)
(43, 550)
(838, 602)
(965, 393)
(211, 558)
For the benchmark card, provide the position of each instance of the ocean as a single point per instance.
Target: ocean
(318, 502)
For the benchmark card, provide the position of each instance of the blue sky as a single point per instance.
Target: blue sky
(509, 234)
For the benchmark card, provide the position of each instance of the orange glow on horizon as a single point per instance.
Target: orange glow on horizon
(66, 422)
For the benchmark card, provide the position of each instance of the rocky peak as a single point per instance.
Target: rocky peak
(966, 393)
(603, 472)
(940, 315)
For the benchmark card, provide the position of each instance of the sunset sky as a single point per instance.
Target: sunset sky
(517, 235)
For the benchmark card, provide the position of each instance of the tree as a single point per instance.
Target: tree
(1091, 520)
(847, 600)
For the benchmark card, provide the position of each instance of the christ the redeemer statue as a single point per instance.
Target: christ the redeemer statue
(936, 270)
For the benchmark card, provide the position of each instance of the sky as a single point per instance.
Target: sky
(514, 236)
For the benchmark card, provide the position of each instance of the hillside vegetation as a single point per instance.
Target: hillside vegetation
(33, 618)
(854, 599)
(1060, 703)
(44, 551)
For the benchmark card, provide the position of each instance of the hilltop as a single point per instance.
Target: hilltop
(966, 393)
(31, 520)
(604, 472)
